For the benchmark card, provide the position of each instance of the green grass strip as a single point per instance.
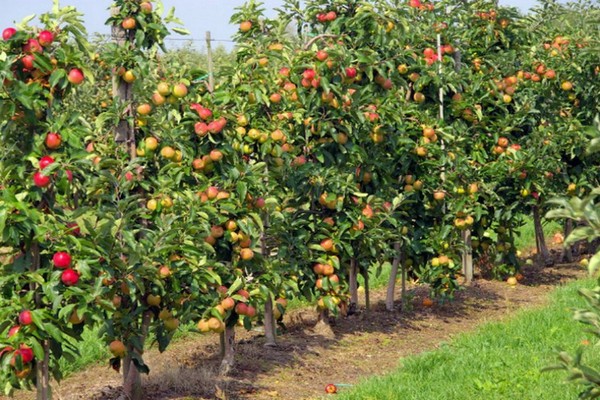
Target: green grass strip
(498, 361)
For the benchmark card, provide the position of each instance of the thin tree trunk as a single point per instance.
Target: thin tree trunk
(391, 287)
(467, 256)
(353, 283)
(403, 289)
(367, 291)
(567, 253)
(222, 345)
(44, 391)
(270, 329)
(539, 237)
(228, 361)
(132, 380)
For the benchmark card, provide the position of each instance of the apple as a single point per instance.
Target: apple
(45, 161)
(275, 98)
(216, 325)
(203, 326)
(246, 254)
(179, 90)
(241, 308)
(327, 244)
(153, 300)
(251, 312)
(27, 61)
(439, 195)
(309, 74)
(330, 388)
(45, 38)
(228, 303)
(164, 272)
(53, 140)
(212, 192)
(61, 259)
(75, 76)
(245, 26)
(8, 33)
(128, 23)
(26, 354)
(129, 76)
(32, 46)
(41, 180)
(350, 72)
(69, 277)
(244, 293)
(204, 113)
(14, 330)
(25, 317)
(331, 16)
(146, 7)
(321, 55)
(171, 324)
(117, 348)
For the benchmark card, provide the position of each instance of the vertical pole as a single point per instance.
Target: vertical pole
(389, 299)
(467, 256)
(211, 76)
(353, 283)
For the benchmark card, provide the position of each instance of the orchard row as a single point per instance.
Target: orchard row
(344, 136)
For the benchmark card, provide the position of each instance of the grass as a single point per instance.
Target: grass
(499, 361)
(526, 234)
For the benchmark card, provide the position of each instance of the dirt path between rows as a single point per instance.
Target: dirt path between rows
(363, 344)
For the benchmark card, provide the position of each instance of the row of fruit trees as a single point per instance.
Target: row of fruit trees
(346, 135)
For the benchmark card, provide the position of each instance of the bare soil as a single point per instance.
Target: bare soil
(307, 359)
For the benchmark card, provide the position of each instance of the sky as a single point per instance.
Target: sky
(198, 16)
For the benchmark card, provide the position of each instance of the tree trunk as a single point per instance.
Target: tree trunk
(353, 286)
(270, 328)
(367, 292)
(467, 256)
(44, 392)
(540, 241)
(567, 253)
(228, 361)
(132, 380)
(391, 287)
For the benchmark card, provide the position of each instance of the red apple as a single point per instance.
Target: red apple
(351, 72)
(41, 180)
(32, 46)
(69, 277)
(309, 74)
(241, 308)
(45, 161)
(53, 140)
(14, 330)
(25, 353)
(204, 113)
(75, 76)
(61, 259)
(45, 38)
(25, 317)
(322, 55)
(27, 61)
(8, 33)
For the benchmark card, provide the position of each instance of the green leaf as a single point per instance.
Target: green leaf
(594, 263)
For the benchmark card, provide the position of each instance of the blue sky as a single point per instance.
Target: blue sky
(198, 16)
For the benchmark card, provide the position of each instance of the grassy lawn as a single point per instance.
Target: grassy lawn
(498, 361)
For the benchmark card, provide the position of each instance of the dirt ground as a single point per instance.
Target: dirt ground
(305, 361)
